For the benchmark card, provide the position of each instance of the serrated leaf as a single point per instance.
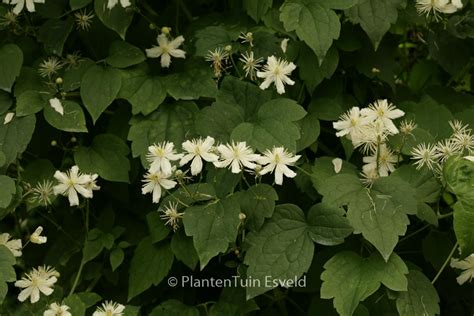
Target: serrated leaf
(117, 19)
(421, 297)
(213, 226)
(258, 203)
(183, 248)
(314, 22)
(99, 87)
(73, 119)
(313, 75)
(256, 9)
(233, 302)
(106, 156)
(210, 38)
(15, 136)
(11, 60)
(375, 17)
(7, 192)
(281, 250)
(174, 307)
(123, 55)
(350, 279)
(340, 189)
(328, 225)
(150, 264)
(323, 169)
(156, 226)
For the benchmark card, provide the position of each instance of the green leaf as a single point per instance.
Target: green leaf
(233, 302)
(78, 4)
(192, 193)
(88, 298)
(116, 258)
(117, 19)
(7, 192)
(323, 169)
(183, 248)
(256, 9)
(273, 126)
(212, 37)
(328, 224)
(106, 156)
(97, 240)
(54, 33)
(73, 76)
(258, 203)
(281, 250)
(314, 22)
(11, 60)
(213, 226)
(399, 191)
(123, 55)
(340, 189)
(3, 159)
(310, 73)
(7, 272)
(73, 119)
(145, 93)
(421, 297)
(350, 279)
(5, 101)
(156, 226)
(30, 102)
(174, 307)
(99, 87)
(171, 122)
(150, 264)
(76, 305)
(375, 17)
(15, 136)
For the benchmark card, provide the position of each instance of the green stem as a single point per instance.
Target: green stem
(445, 264)
(414, 233)
(441, 216)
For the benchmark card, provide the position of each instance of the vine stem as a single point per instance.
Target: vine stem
(445, 263)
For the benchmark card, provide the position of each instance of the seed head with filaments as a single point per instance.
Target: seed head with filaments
(407, 127)
(172, 216)
(49, 67)
(219, 58)
(83, 20)
(251, 65)
(459, 127)
(445, 149)
(425, 155)
(42, 193)
(246, 38)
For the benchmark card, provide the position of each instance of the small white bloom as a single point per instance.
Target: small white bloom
(458, 127)
(20, 5)
(383, 161)
(463, 140)
(407, 127)
(42, 193)
(166, 49)
(351, 124)
(112, 3)
(277, 71)
(277, 160)
(467, 265)
(36, 237)
(73, 182)
(83, 19)
(385, 112)
(445, 149)
(57, 310)
(370, 136)
(56, 104)
(109, 308)
(219, 58)
(369, 175)
(284, 44)
(160, 156)
(337, 163)
(470, 158)
(8, 118)
(49, 67)
(198, 150)
(237, 156)
(251, 65)
(425, 156)
(14, 245)
(39, 280)
(171, 215)
(427, 7)
(154, 181)
(246, 38)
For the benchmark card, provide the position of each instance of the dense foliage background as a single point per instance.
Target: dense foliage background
(78, 86)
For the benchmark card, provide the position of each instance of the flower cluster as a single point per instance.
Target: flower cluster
(39, 280)
(433, 156)
(467, 265)
(435, 7)
(73, 182)
(368, 129)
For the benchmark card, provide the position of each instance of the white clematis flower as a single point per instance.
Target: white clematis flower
(154, 181)
(73, 182)
(237, 156)
(385, 160)
(57, 310)
(160, 156)
(56, 104)
(277, 71)
(36, 237)
(14, 245)
(20, 5)
(352, 124)
(8, 118)
(112, 3)
(166, 49)
(384, 112)
(197, 151)
(467, 265)
(427, 7)
(277, 160)
(39, 280)
(109, 308)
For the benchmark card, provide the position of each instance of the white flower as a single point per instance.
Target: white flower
(112, 3)
(56, 104)
(219, 58)
(445, 149)
(467, 265)
(166, 49)
(435, 7)
(251, 65)
(425, 156)
(284, 44)
(385, 112)
(171, 215)
(83, 19)
(154, 181)
(42, 193)
(109, 308)
(14, 245)
(470, 158)
(277, 160)
(8, 118)
(351, 124)
(369, 176)
(20, 5)
(38, 280)
(73, 182)
(383, 161)
(237, 156)
(370, 136)
(57, 310)
(246, 38)
(407, 127)
(463, 140)
(458, 127)
(337, 163)
(160, 157)
(198, 150)
(277, 71)
(36, 237)
(49, 67)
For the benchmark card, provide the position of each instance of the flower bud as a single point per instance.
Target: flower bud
(228, 48)
(165, 30)
(59, 81)
(54, 143)
(242, 216)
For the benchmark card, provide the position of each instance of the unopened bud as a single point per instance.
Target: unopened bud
(54, 143)
(165, 30)
(242, 216)
(73, 139)
(151, 26)
(59, 81)
(228, 48)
